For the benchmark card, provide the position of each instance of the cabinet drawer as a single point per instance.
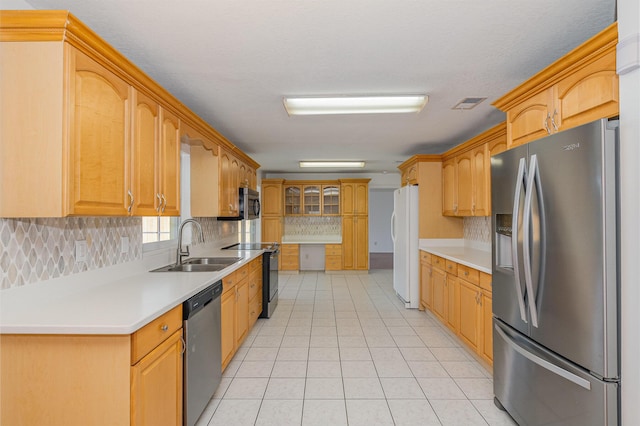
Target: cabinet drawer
(229, 281)
(154, 333)
(256, 264)
(469, 274)
(485, 281)
(333, 263)
(255, 308)
(242, 273)
(451, 267)
(425, 257)
(333, 250)
(438, 261)
(289, 249)
(255, 284)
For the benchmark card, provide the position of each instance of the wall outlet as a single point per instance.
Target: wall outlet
(81, 251)
(124, 245)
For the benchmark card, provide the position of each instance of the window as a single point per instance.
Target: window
(158, 229)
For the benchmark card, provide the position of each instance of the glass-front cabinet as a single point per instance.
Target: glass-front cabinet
(311, 200)
(292, 200)
(330, 200)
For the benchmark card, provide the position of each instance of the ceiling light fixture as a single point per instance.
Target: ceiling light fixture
(334, 164)
(354, 104)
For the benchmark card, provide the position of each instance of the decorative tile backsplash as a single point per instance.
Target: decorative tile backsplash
(477, 229)
(310, 225)
(34, 250)
(39, 249)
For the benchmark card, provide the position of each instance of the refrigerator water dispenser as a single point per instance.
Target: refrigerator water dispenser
(504, 258)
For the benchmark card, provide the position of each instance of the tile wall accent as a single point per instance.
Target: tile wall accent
(215, 229)
(477, 229)
(40, 249)
(309, 225)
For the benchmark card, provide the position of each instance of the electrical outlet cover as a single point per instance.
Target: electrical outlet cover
(124, 245)
(81, 251)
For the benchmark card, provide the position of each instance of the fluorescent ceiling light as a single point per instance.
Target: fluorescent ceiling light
(355, 105)
(335, 164)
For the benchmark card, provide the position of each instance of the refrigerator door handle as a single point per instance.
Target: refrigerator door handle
(393, 226)
(532, 179)
(514, 238)
(542, 362)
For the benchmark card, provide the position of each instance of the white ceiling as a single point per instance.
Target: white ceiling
(232, 61)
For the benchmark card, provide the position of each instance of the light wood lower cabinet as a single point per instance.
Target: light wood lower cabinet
(333, 257)
(239, 307)
(290, 254)
(460, 297)
(94, 379)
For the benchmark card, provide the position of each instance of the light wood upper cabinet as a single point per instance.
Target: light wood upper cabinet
(144, 182)
(229, 183)
(292, 200)
(449, 185)
(580, 87)
(271, 198)
(330, 200)
(99, 139)
(466, 174)
(311, 199)
(168, 167)
(354, 196)
(102, 138)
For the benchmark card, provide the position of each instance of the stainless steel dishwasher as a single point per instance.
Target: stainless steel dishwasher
(202, 360)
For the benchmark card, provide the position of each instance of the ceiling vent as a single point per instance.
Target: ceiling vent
(468, 103)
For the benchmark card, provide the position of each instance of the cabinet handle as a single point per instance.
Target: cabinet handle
(159, 203)
(553, 119)
(164, 327)
(130, 201)
(184, 345)
(466, 273)
(546, 123)
(164, 203)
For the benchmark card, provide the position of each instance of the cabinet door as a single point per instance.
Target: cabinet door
(362, 198)
(227, 325)
(243, 179)
(426, 286)
(588, 94)
(528, 120)
(156, 388)
(271, 200)
(99, 140)
(311, 200)
(144, 185)
(486, 327)
(348, 198)
(292, 200)
(449, 188)
(272, 229)
(168, 168)
(361, 235)
(439, 293)
(330, 200)
(242, 311)
(469, 313)
(453, 303)
(348, 242)
(228, 192)
(464, 184)
(481, 169)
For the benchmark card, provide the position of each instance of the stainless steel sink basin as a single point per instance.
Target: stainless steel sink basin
(200, 264)
(212, 260)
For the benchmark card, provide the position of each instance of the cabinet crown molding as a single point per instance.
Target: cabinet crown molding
(497, 131)
(595, 47)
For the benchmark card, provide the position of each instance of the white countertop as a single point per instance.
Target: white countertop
(312, 239)
(472, 254)
(114, 300)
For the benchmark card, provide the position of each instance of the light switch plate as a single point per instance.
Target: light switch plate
(124, 245)
(81, 251)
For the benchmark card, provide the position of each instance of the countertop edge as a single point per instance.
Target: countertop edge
(463, 259)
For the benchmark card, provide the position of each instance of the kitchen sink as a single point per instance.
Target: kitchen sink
(200, 264)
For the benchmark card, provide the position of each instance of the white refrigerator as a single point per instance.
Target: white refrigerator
(404, 233)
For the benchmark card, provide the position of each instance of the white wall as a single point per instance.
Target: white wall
(629, 31)
(378, 180)
(380, 209)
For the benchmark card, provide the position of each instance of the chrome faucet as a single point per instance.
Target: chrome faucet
(185, 253)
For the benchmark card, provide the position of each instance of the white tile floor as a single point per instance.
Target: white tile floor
(343, 350)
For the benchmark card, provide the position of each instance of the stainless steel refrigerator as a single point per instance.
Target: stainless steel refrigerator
(555, 278)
